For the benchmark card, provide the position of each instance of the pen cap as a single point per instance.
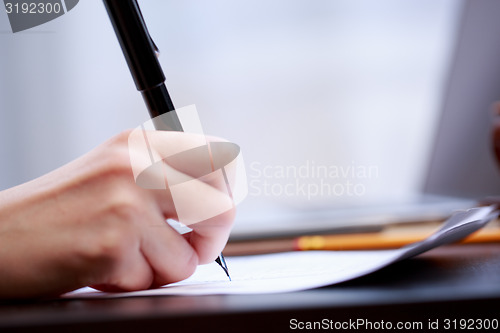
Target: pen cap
(136, 44)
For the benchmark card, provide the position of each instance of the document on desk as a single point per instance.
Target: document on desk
(294, 271)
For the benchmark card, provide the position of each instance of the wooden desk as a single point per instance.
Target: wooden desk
(452, 282)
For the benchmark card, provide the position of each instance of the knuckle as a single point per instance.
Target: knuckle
(115, 231)
(117, 160)
(106, 244)
(114, 156)
(114, 239)
(124, 205)
(122, 137)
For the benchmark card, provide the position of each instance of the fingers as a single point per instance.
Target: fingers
(186, 152)
(132, 272)
(140, 254)
(208, 210)
(194, 174)
(192, 187)
(171, 257)
(196, 200)
(209, 237)
(150, 148)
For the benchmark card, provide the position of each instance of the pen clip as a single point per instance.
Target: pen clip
(157, 51)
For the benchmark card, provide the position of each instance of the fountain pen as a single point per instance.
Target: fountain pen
(141, 54)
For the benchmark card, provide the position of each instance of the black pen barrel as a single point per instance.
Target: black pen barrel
(139, 51)
(159, 103)
(136, 44)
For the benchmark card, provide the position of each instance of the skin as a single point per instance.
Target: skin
(88, 223)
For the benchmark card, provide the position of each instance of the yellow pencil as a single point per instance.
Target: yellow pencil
(392, 237)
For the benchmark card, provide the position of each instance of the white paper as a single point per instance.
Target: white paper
(294, 271)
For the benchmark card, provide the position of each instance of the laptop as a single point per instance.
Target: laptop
(461, 167)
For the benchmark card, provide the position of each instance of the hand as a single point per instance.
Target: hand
(88, 223)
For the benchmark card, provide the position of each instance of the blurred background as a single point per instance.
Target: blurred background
(336, 104)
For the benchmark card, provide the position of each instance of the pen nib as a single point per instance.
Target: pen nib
(222, 263)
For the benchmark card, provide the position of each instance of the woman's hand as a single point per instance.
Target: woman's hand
(89, 223)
